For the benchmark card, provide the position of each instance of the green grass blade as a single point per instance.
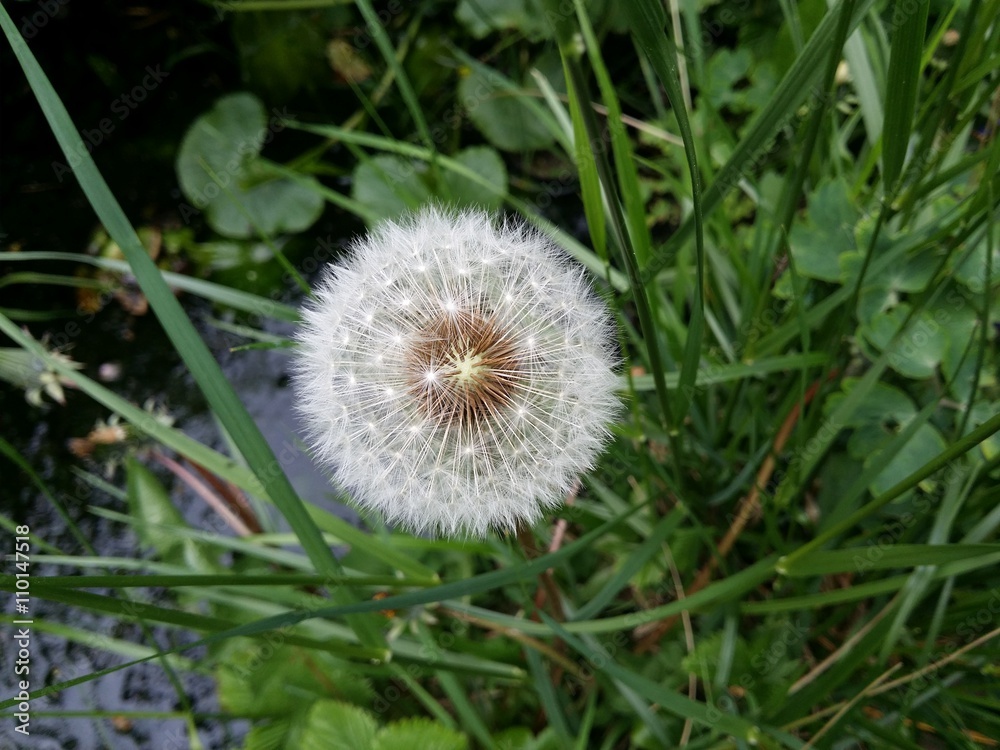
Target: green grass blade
(377, 31)
(667, 698)
(901, 88)
(646, 22)
(630, 567)
(860, 559)
(223, 295)
(758, 142)
(965, 444)
(205, 370)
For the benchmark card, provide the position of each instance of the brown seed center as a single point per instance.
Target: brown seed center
(462, 368)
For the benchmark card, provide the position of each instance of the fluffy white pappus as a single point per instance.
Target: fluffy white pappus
(456, 375)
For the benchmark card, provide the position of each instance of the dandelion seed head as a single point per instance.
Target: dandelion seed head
(455, 375)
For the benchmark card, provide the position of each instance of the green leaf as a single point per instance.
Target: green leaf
(419, 734)
(332, 725)
(481, 17)
(485, 162)
(510, 120)
(219, 172)
(883, 403)
(971, 269)
(390, 186)
(818, 243)
(918, 450)
(922, 348)
(261, 679)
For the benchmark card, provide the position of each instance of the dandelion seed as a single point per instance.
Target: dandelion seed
(480, 373)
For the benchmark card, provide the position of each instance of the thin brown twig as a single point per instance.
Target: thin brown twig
(688, 640)
(565, 662)
(844, 647)
(899, 682)
(848, 705)
(206, 494)
(749, 509)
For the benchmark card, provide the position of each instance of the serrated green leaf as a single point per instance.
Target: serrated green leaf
(263, 680)
(411, 734)
(270, 736)
(332, 725)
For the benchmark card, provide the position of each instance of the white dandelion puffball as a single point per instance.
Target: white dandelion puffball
(456, 376)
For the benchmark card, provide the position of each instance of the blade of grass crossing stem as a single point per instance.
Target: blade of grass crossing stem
(974, 438)
(647, 19)
(377, 31)
(224, 295)
(902, 85)
(479, 584)
(857, 559)
(758, 142)
(621, 146)
(590, 183)
(630, 567)
(575, 79)
(205, 370)
(11, 452)
(666, 697)
(848, 498)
